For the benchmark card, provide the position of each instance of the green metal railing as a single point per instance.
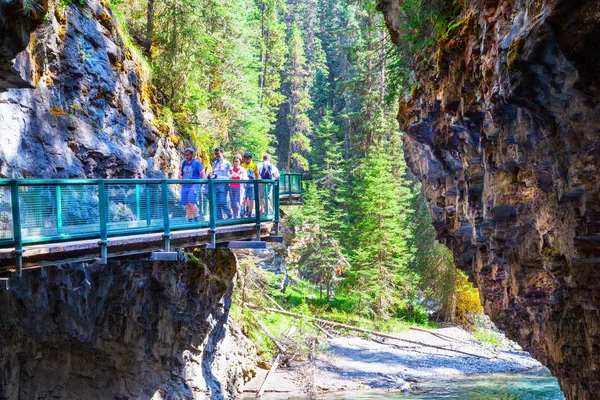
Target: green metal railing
(290, 184)
(36, 211)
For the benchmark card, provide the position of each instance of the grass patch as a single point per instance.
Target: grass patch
(137, 54)
(489, 337)
(303, 298)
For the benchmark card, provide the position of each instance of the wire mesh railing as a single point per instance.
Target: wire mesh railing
(290, 184)
(41, 211)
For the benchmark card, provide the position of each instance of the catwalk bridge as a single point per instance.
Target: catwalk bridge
(50, 221)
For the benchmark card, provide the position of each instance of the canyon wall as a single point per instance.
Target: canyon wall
(129, 329)
(76, 102)
(92, 112)
(504, 133)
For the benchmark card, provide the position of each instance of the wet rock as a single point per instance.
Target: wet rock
(92, 111)
(504, 135)
(130, 329)
(18, 19)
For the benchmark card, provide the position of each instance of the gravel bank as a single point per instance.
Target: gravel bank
(355, 363)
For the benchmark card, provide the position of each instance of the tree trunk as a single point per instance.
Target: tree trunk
(149, 29)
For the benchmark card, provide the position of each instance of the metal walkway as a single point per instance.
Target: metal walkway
(46, 221)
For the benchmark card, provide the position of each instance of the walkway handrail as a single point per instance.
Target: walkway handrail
(36, 211)
(290, 183)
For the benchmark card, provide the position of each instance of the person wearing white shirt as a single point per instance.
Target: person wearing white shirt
(221, 168)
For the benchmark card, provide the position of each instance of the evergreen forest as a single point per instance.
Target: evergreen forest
(315, 84)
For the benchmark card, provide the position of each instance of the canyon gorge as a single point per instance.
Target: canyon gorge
(503, 132)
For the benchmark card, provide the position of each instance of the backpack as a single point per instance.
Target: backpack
(266, 171)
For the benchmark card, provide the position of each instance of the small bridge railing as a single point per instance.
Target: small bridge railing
(34, 211)
(290, 184)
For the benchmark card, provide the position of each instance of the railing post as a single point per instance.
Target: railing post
(257, 208)
(212, 209)
(137, 202)
(148, 213)
(17, 234)
(59, 221)
(289, 187)
(276, 206)
(166, 222)
(103, 225)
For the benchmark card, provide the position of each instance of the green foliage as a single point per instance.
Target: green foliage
(310, 79)
(421, 23)
(381, 251)
(208, 63)
(298, 103)
(489, 337)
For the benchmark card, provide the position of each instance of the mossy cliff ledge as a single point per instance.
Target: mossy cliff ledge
(130, 329)
(75, 101)
(504, 134)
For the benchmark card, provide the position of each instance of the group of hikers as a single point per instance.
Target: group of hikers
(233, 200)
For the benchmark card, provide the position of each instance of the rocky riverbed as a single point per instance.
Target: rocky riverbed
(358, 363)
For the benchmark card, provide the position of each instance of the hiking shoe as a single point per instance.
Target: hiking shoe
(197, 219)
(190, 220)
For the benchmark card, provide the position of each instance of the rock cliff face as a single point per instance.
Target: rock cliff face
(504, 133)
(76, 102)
(92, 112)
(130, 329)
(17, 20)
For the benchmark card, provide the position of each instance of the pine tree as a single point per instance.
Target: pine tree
(298, 103)
(321, 258)
(381, 253)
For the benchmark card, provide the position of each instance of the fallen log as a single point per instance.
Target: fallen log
(440, 335)
(271, 372)
(280, 347)
(368, 331)
(329, 335)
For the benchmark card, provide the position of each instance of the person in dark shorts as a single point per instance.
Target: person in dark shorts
(252, 173)
(191, 168)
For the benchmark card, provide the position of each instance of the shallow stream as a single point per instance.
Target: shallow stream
(539, 385)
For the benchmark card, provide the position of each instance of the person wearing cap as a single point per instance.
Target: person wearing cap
(221, 169)
(252, 172)
(191, 168)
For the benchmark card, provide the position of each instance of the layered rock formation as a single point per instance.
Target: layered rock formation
(504, 133)
(18, 19)
(76, 102)
(130, 329)
(92, 112)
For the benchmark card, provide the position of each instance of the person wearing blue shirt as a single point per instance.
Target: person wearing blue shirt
(191, 168)
(221, 168)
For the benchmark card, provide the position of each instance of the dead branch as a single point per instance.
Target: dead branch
(354, 328)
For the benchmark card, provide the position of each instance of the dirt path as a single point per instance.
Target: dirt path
(353, 363)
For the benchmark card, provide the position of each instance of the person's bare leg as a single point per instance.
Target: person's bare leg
(194, 210)
(188, 210)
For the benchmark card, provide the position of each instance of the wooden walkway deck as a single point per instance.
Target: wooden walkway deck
(41, 255)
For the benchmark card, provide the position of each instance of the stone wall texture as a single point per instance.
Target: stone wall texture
(504, 134)
(76, 102)
(126, 330)
(91, 111)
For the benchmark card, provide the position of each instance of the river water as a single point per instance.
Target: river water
(539, 385)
